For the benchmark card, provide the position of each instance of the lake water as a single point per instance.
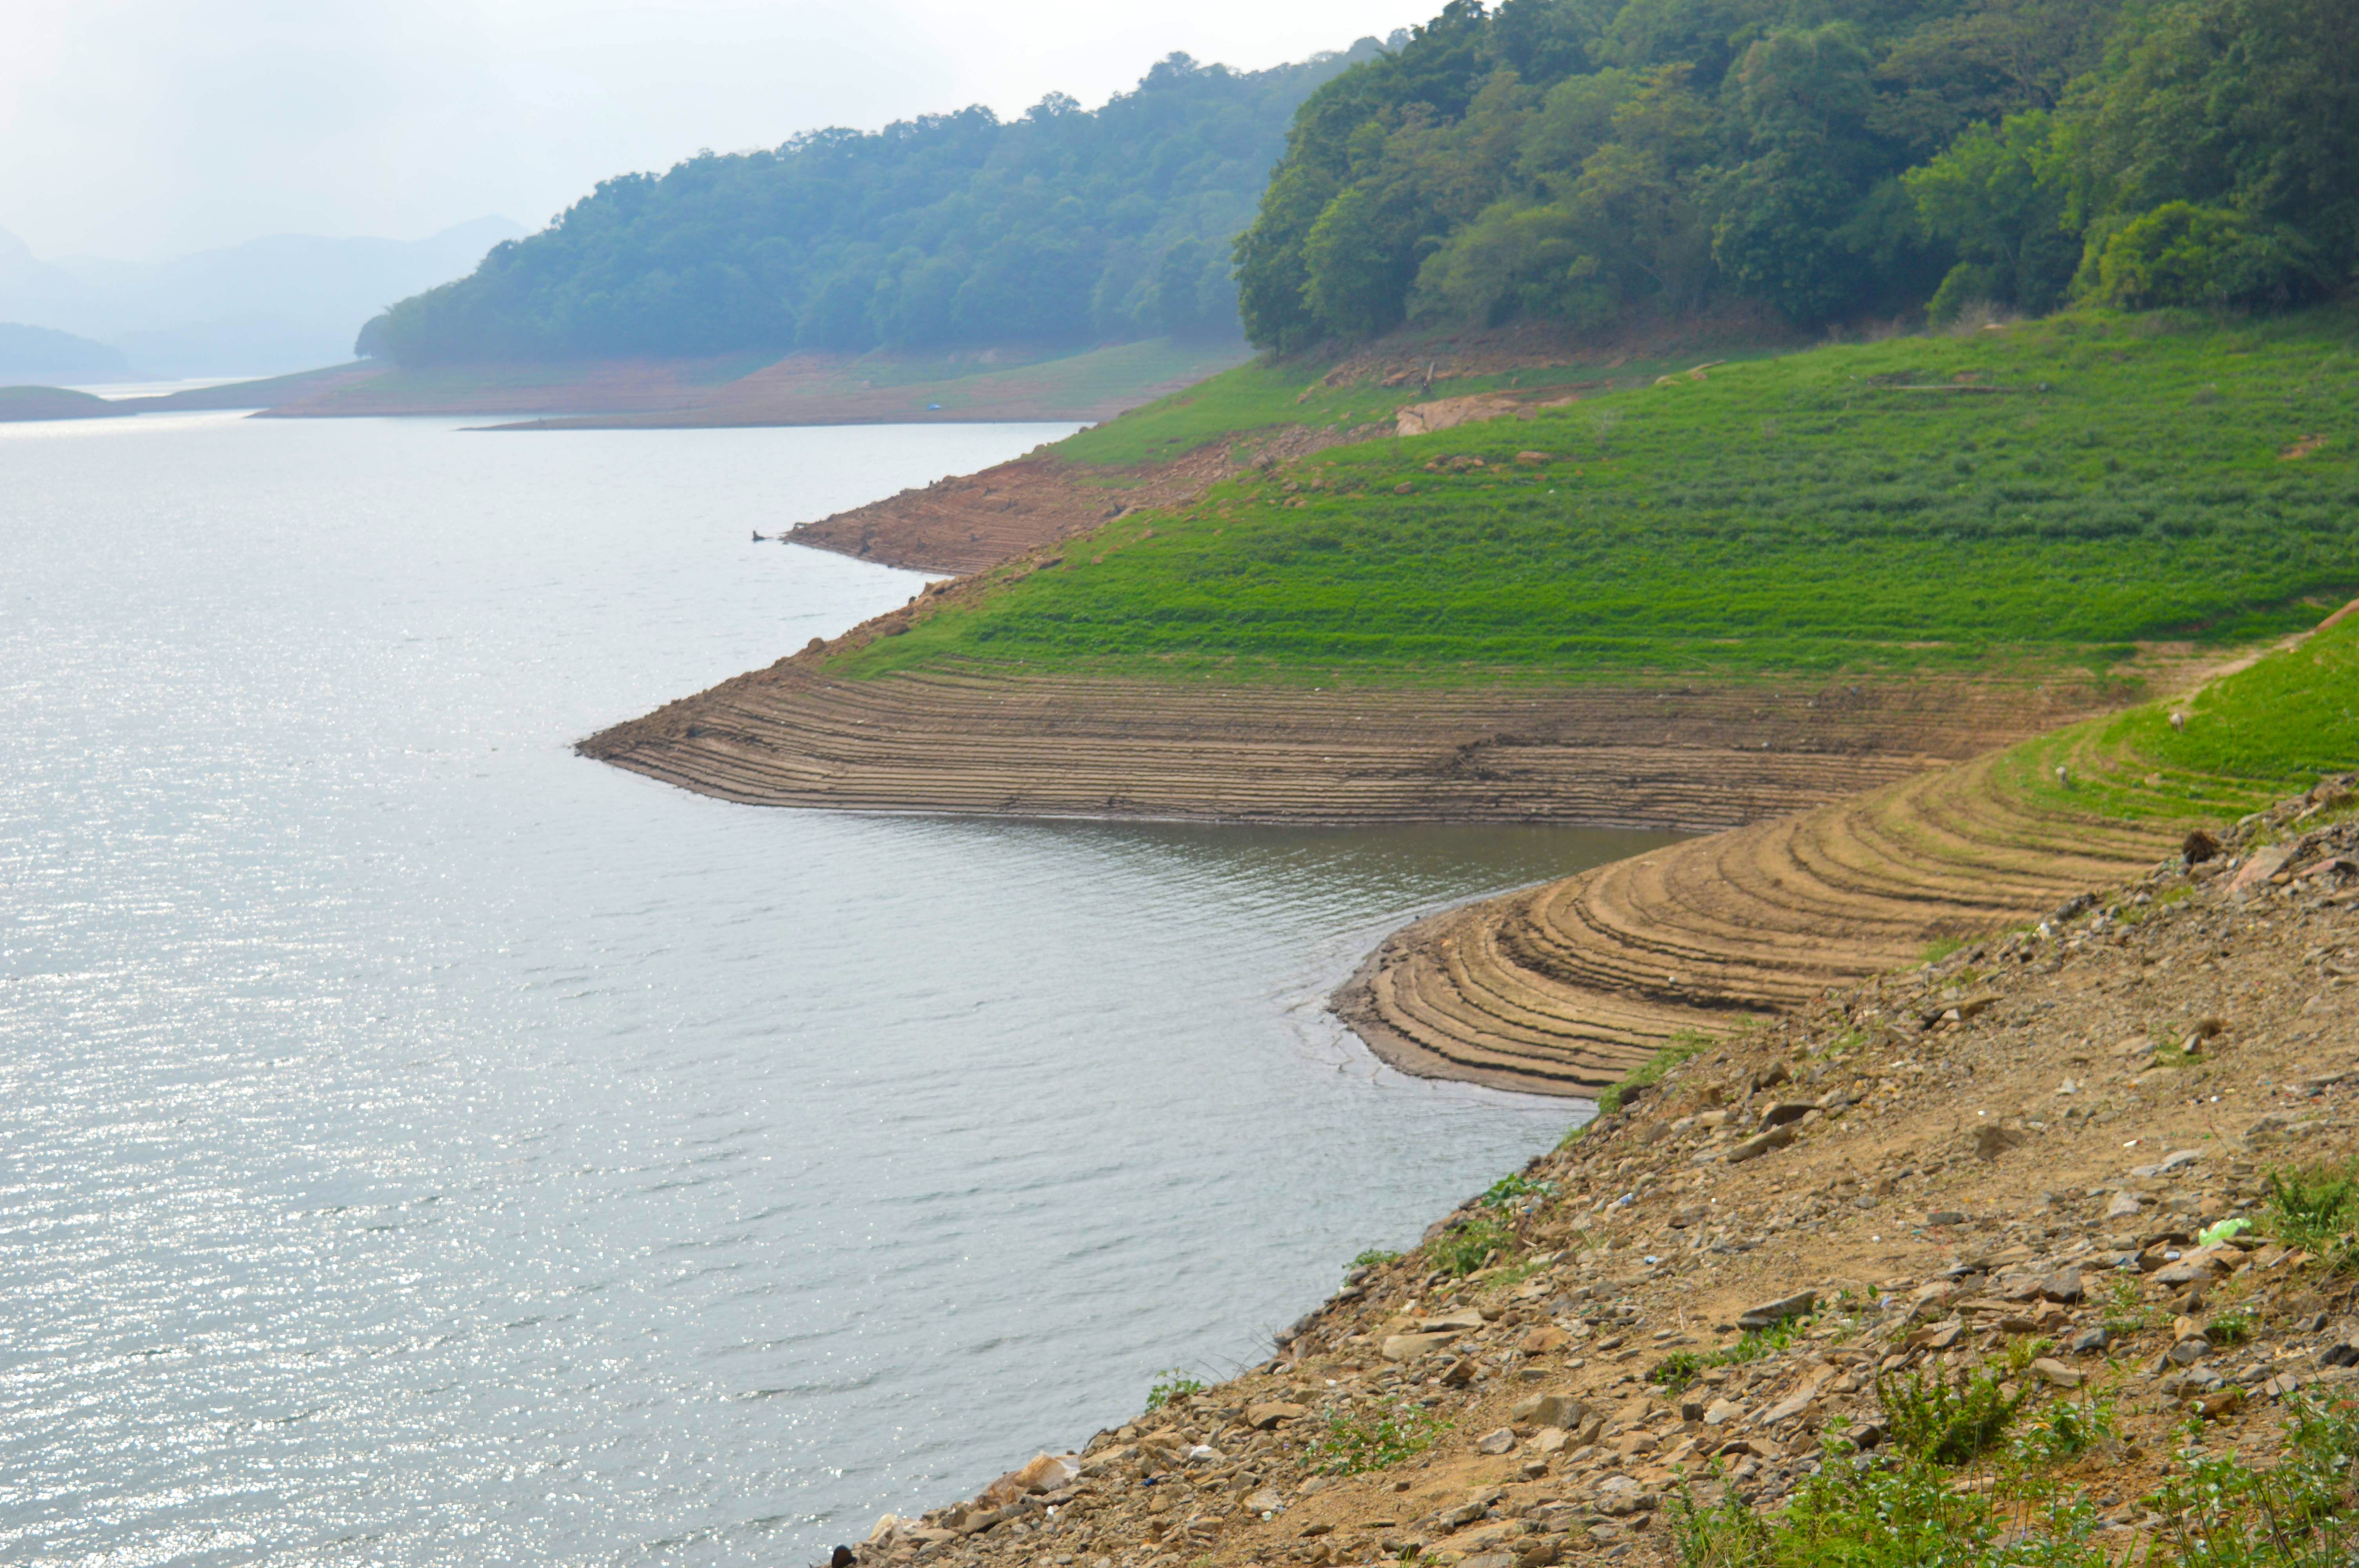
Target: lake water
(421, 1145)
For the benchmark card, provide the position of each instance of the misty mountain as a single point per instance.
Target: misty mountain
(43, 356)
(281, 303)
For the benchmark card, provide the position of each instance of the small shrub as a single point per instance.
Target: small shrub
(1504, 1192)
(1462, 1251)
(1725, 1534)
(2222, 1513)
(1373, 1257)
(1678, 1370)
(1755, 1343)
(1948, 1424)
(2127, 1311)
(2063, 1432)
(2234, 1328)
(2182, 255)
(1171, 1384)
(1854, 1515)
(1353, 1443)
(2316, 1207)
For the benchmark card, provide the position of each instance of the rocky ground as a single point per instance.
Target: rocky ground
(2000, 1160)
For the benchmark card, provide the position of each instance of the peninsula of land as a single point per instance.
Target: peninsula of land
(1400, 587)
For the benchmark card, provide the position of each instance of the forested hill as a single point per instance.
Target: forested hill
(1064, 226)
(1580, 159)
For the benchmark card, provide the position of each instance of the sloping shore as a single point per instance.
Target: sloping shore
(1011, 383)
(1645, 1346)
(1567, 984)
(971, 522)
(997, 742)
(1566, 987)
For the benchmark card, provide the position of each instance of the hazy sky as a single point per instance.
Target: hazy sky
(144, 128)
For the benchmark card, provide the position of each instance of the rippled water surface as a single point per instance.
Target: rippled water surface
(421, 1145)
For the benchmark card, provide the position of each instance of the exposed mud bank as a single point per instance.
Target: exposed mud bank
(989, 741)
(1565, 987)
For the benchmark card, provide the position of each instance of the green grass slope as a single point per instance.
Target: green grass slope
(2047, 494)
(2246, 740)
(1264, 395)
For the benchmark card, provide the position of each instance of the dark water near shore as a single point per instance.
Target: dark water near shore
(420, 1145)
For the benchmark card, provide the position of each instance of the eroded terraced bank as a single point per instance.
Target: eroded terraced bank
(979, 740)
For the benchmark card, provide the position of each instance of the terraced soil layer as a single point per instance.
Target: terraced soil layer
(1564, 988)
(980, 740)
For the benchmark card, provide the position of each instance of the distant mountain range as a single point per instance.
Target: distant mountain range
(43, 356)
(282, 303)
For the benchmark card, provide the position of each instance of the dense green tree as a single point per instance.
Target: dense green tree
(2248, 106)
(1827, 157)
(1800, 99)
(1547, 40)
(2000, 197)
(1057, 227)
(1983, 62)
(2183, 254)
(1575, 160)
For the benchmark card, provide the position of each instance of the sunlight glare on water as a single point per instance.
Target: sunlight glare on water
(422, 1146)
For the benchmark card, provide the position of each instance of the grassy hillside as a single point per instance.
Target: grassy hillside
(2246, 740)
(1267, 396)
(2045, 494)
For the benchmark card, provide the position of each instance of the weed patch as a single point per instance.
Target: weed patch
(1506, 1191)
(1682, 1045)
(2223, 1513)
(1683, 1367)
(1172, 1384)
(1462, 1251)
(2127, 1310)
(2316, 1207)
(1948, 1424)
(1376, 1439)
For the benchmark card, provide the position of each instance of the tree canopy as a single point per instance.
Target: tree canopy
(1572, 160)
(1576, 159)
(1064, 226)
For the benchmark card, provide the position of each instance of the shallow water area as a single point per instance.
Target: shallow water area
(423, 1145)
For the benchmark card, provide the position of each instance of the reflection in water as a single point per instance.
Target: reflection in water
(426, 1146)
